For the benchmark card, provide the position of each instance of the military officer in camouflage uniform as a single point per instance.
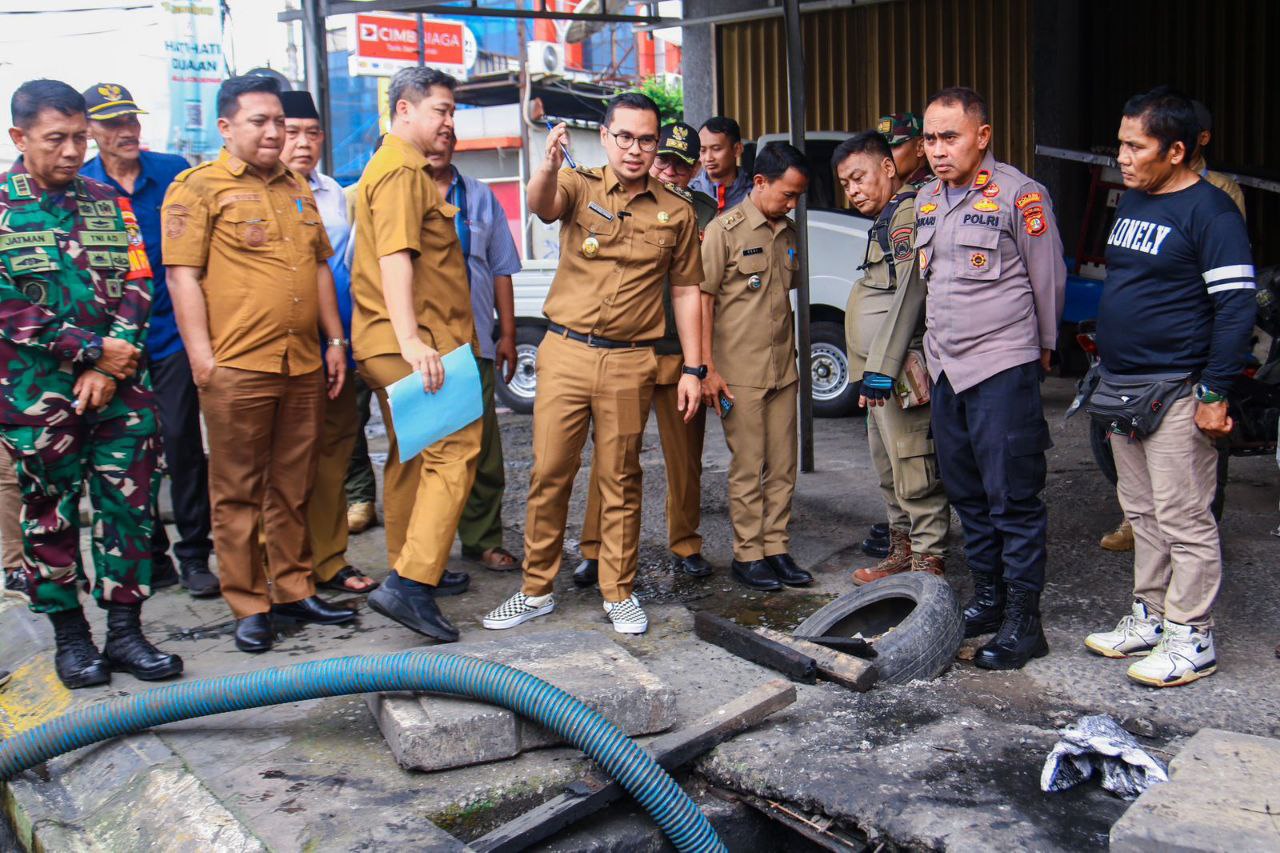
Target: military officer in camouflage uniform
(884, 324)
(905, 134)
(75, 294)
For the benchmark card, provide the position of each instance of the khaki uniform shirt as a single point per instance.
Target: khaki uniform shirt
(991, 258)
(618, 252)
(750, 270)
(399, 208)
(260, 241)
(1222, 181)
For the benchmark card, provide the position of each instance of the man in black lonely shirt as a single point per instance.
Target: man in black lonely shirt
(1179, 297)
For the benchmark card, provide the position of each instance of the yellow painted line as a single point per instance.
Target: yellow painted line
(34, 697)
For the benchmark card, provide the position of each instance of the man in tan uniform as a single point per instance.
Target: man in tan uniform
(245, 250)
(413, 305)
(623, 237)
(749, 257)
(884, 322)
(676, 163)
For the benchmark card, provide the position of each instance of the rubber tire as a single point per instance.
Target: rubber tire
(846, 402)
(921, 645)
(526, 337)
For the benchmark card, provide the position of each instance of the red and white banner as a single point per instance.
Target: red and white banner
(385, 43)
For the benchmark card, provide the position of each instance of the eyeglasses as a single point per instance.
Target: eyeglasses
(666, 161)
(625, 140)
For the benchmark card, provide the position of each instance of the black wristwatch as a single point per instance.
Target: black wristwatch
(700, 371)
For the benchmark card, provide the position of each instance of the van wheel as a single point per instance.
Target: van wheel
(518, 394)
(834, 390)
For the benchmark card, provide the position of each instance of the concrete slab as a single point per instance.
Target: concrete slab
(1223, 794)
(430, 732)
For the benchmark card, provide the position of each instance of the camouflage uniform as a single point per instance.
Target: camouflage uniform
(71, 273)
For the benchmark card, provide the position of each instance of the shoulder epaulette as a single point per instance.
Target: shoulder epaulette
(680, 191)
(591, 172)
(183, 175)
(732, 218)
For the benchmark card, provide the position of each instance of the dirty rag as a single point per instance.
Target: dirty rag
(1098, 743)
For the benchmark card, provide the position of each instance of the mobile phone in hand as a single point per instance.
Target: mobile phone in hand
(726, 406)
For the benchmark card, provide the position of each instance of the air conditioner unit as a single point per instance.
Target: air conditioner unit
(545, 57)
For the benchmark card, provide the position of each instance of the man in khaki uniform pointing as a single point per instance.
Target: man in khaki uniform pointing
(623, 236)
(885, 324)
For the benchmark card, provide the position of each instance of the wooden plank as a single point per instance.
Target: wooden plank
(845, 670)
(671, 750)
(751, 646)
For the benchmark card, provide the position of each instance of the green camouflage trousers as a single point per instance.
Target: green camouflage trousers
(119, 459)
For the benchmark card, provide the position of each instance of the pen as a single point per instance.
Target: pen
(299, 203)
(567, 158)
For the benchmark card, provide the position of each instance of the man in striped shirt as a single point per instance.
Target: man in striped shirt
(1179, 298)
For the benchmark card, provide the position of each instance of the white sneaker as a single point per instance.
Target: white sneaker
(518, 609)
(1183, 655)
(1135, 635)
(627, 616)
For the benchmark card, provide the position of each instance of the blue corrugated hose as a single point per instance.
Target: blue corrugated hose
(522, 693)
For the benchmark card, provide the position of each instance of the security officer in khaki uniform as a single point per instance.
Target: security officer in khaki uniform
(676, 163)
(884, 324)
(624, 237)
(749, 257)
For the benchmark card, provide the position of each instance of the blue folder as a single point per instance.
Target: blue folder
(421, 419)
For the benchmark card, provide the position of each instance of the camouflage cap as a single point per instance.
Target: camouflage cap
(897, 128)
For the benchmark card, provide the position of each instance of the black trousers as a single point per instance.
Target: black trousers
(188, 468)
(991, 440)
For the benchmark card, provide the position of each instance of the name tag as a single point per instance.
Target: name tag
(27, 238)
(600, 210)
(759, 250)
(104, 238)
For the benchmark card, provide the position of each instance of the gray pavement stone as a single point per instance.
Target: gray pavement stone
(431, 732)
(1223, 794)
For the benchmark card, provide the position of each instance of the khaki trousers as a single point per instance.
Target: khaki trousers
(903, 456)
(263, 433)
(327, 508)
(422, 499)
(1166, 487)
(682, 454)
(761, 433)
(581, 387)
(10, 514)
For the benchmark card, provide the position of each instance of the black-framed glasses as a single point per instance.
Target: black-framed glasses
(675, 164)
(625, 140)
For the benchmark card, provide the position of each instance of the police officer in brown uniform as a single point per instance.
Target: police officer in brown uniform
(624, 237)
(749, 256)
(884, 324)
(676, 163)
(411, 306)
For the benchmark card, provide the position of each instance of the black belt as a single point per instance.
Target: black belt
(593, 341)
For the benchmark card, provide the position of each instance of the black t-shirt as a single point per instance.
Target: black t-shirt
(1180, 289)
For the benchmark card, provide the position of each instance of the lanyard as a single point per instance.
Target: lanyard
(458, 198)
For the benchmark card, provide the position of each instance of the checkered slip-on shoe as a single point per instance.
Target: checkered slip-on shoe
(517, 610)
(627, 616)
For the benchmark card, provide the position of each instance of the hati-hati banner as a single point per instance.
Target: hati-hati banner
(193, 51)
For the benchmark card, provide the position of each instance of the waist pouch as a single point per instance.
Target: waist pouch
(1135, 405)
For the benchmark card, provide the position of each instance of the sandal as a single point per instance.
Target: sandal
(497, 559)
(344, 579)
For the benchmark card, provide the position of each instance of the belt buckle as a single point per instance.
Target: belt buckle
(591, 339)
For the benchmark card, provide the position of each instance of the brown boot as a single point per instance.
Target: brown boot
(1120, 539)
(898, 561)
(931, 563)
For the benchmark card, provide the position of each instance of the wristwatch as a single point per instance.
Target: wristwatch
(1205, 394)
(93, 351)
(700, 371)
(338, 342)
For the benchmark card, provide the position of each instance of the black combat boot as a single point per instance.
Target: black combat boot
(984, 612)
(1020, 638)
(76, 659)
(128, 651)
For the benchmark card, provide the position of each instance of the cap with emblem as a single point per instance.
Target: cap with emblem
(110, 100)
(680, 140)
(298, 105)
(897, 128)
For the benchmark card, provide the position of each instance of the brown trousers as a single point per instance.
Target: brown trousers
(10, 514)
(761, 433)
(1166, 486)
(327, 508)
(580, 387)
(263, 433)
(682, 454)
(422, 499)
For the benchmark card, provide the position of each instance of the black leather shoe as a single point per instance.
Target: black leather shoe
(1021, 636)
(413, 605)
(756, 574)
(694, 565)
(127, 650)
(198, 580)
(877, 543)
(984, 612)
(315, 610)
(254, 633)
(879, 530)
(587, 573)
(453, 583)
(77, 659)
(163, 574)
(787, 570)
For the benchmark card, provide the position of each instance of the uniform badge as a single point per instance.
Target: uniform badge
(929, 207)
(901, 240)
(986, 205)
(754, 282)
(991, 190)
(1024, 200)
(86, 208)
(590, 246)
(255, 235)
(924, 261)
(1033, 218)
(983, 178)
(105, 208)
(978, 261)
(36, 291)
(115, 288)
(663, 216)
